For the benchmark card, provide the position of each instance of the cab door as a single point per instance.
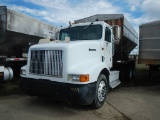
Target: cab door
(108, 47)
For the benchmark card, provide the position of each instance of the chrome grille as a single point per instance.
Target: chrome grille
(46, 62)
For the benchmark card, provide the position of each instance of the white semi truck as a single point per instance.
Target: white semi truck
(84, 63)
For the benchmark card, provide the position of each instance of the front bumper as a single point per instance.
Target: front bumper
(71, 93)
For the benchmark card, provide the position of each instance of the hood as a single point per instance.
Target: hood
(75, 53)
(76, 57)
(85, 44)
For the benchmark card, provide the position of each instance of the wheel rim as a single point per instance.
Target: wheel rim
(101, 91)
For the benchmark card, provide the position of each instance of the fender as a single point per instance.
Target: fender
(91, 67)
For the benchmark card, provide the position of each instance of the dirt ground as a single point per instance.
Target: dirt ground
(138, 99)
(142, 103)
(32, 108)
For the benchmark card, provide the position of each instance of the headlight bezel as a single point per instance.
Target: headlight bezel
(79, 77)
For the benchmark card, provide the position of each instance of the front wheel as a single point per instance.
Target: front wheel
(101, 91)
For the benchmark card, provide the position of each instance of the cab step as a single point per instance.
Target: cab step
(114, 79)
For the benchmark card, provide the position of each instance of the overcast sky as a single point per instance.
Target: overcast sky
(59, 12)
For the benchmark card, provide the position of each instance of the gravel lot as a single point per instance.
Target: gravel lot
(138, 99)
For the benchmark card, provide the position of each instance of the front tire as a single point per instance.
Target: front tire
(101, 91)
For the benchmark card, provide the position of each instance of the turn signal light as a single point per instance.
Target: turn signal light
(84, 78)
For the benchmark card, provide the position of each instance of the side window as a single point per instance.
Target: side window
(108, 35)
(63, 35)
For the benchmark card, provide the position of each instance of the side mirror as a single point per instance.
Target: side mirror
(116, 32)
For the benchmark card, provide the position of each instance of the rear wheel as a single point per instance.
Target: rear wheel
(101, 91)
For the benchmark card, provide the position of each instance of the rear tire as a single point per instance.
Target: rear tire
(101, 91)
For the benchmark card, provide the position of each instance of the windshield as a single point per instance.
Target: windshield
(87, 32)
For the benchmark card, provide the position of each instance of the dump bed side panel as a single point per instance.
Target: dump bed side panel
(21, 23)
(129, 32)
(3, 22)
(19, 31)
(149, 43)
(129, 37)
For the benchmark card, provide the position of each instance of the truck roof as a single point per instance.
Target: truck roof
(87, 23)
(100, 17)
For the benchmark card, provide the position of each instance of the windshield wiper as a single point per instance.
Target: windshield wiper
(87, 26)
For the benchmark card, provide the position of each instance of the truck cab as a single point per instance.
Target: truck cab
(76, 68)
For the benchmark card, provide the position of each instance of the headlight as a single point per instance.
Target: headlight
(80, 78)
(23, 72)
(75, 77)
